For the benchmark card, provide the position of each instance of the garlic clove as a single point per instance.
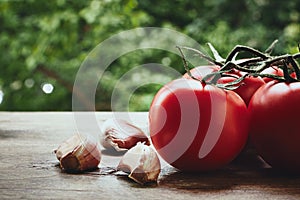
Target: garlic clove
(142, 164)
(78, 153)
(121, 135)
(66, 146)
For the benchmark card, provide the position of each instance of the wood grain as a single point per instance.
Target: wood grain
(29, 169)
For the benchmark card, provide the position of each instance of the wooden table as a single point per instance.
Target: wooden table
(29, 170)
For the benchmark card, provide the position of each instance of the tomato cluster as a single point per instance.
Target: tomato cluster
(203, 120)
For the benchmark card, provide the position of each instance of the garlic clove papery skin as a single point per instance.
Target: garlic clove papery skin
(121, 135)
(79, 153)
(142, 164)
(66, 146)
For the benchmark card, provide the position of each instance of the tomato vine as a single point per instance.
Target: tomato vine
(252, 66)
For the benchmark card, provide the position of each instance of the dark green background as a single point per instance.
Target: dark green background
(46, 41)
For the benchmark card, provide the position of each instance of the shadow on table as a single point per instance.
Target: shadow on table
(112, 152)
(230, 178)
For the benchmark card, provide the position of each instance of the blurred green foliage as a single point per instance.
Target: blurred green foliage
(45, 42)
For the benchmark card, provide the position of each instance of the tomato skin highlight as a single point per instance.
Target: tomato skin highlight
(274, 124)
(201, 71)
(272, 70)
(197, 127)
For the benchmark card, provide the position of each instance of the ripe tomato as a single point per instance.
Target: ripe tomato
(293, 75)
(272, 70)
(201, 71)
(274, 125)
(197, 127)
(247, 88)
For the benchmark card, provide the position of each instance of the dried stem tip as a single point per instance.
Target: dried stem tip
(78, 154)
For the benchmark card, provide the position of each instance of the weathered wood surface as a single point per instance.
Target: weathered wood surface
(28, 169)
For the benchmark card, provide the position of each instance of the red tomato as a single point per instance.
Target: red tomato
(293, 75)
(274, 130)
(201, 71)
(272, 70)
(247, 88)
(197, 127)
